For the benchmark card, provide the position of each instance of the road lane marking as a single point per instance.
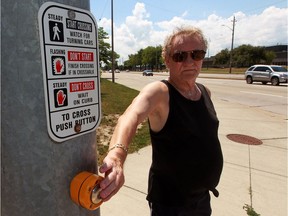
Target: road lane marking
(263, 94)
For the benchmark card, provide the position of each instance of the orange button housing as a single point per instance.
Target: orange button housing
(82, 187)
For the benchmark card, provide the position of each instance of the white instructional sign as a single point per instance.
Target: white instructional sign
(69, 48)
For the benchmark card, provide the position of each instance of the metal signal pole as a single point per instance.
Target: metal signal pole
(36, 170)
(112, 43)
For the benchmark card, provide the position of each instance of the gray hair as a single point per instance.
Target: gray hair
(185, 30)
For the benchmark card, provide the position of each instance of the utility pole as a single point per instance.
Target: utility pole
(232, 43)
(112, 43)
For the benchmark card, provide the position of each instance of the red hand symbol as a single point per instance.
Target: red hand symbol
(61, 97)
(58, 66)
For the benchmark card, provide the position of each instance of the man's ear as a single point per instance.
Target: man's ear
(167, 62)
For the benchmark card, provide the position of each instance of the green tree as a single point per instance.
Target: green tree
(257, 55)
(105, 52)
(246, 55)
(129, 64)
(135, 61)
(150, 57)
(158, 57)
(243, 56)
(104, 47)
(270, 56)
(139, 57)
(222, 58)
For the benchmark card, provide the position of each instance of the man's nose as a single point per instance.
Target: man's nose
(189, 59)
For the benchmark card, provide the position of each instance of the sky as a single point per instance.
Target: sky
(138, 24)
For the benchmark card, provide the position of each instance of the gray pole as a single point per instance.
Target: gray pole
(232, 43)
(112, 42)
(35, 171)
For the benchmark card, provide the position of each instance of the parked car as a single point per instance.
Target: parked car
(266, 73)
(147, 73)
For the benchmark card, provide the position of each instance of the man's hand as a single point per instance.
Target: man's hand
(114, 176)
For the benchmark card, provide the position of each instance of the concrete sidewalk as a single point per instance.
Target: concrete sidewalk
(263, 167)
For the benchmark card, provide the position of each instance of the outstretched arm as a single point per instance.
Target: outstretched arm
(147, 102)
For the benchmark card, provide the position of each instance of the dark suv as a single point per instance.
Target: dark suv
(266, 73)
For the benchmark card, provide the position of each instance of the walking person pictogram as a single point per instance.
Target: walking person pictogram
(56, 32)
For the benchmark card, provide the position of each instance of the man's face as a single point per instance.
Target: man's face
(188, 68)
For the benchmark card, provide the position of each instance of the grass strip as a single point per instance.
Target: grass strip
(115, 98)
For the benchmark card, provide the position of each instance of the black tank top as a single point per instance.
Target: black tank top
(187, 156)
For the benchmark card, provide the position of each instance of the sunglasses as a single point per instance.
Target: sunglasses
(196, 55)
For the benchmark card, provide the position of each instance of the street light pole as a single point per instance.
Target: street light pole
(232, 43)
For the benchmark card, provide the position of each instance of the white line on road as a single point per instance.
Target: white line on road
(271, 95)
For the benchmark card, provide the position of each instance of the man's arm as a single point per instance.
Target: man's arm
(147, 102)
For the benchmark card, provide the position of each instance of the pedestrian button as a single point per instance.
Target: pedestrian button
(85, 190)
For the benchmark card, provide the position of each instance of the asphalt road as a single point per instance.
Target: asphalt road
(265, 97)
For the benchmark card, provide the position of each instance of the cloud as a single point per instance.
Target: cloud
(267, 28)
(140, 12)
(138, 31)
